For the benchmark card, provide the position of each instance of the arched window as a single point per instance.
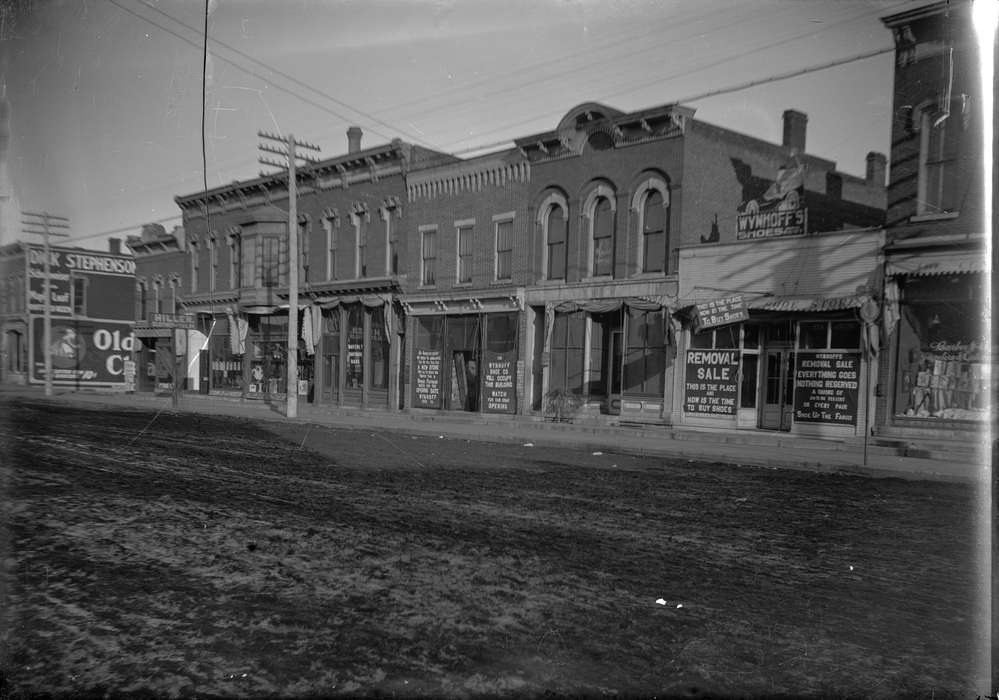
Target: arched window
(602, 226)
(555, 240)
(654, 233)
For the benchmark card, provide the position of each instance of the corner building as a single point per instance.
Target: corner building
(350, 236)
(935, 365)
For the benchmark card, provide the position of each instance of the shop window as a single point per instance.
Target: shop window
(15, 351)
(821, 335)
(747, 380)
(602, 225)
(750, 335)
(724, 337)
(227, 367)
(428, 276)
(654, 233)
(464, 255)
(379, 350)
(355, 346)
(504, 250)
(942, 366)
(645, 355)
(555, 237)
(844, 334)
(568, 336)
(428, 362)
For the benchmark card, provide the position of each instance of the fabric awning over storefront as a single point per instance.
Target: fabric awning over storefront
(923, 264)
(599, 306)
(369, 300)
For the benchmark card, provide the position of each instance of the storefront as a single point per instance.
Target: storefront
(607, 356)
(939, 365)
(787, 344)
(357, 340)
(465, 354)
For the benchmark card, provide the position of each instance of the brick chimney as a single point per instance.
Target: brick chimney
(876, 165)
(794, 129)
(354, 134)
(114, 245)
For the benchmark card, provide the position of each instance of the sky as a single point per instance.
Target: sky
(106, 95)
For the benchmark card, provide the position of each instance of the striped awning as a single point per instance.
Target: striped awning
(936, 263)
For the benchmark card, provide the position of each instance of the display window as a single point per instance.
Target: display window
(941, 366)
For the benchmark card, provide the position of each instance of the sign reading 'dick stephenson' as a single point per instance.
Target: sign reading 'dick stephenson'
(711, 383)
(63, 266)
(826, 387)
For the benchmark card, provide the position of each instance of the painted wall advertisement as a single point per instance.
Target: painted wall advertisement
(826, 387)
(63, 264)
(780, 210)
(499, 382)
(84, 352)
(711, 384)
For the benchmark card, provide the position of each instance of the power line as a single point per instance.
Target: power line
(294, 80)
(713, 93)
(240, 67)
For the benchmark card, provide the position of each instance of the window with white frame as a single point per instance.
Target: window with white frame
(504, 246)
(464, 233)
(213, 261)
(270, 268)
(428, 256)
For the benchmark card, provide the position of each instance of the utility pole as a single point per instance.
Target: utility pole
(287, 150)
(42, 223)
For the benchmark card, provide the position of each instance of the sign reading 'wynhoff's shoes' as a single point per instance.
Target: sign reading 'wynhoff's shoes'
(780, 211)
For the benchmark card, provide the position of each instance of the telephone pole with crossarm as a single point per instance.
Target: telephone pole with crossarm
(45, 225)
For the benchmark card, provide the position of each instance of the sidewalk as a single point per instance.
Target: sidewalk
(777, 450)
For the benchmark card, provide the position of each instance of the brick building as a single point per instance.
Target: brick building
(464, 287)
(641, 223)
(350, 228)
(934, 363)
(91, 330)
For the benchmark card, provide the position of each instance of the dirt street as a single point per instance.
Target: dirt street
(176, 555)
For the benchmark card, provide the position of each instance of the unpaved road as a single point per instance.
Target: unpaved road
(176, 555)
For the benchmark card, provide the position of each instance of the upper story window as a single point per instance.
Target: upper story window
(389, 213)
(504, 246)
(428, 256)
(602, 230)
(142, 290)
(235, 259)
(330, 225)
(360, 218)
(938, 152)
(304, 229)
(158, 295)
(195, 265)
(213, 259)
(556, 240)
(270, 261)
(464, 234)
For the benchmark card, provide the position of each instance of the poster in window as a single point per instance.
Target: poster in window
(427, 384)
(499, 382)
(711, 383)
(826, 387)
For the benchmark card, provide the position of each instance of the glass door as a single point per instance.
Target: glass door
(777, 389)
